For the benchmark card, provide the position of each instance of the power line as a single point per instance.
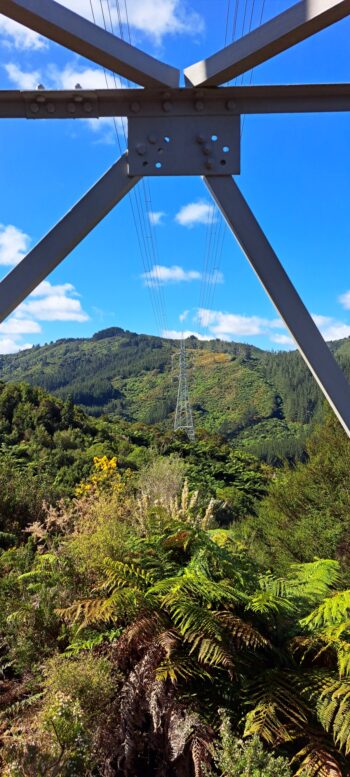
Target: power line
(183, 413)
(141, 221)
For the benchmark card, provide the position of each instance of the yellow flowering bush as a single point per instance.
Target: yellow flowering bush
(105, 477)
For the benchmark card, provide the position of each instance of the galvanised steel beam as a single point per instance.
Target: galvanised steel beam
(281, 291)
(97, 103)
(63, 26)
(61, 240)
(280, 33)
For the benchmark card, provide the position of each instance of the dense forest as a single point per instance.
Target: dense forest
(169, 608)
(260, 401)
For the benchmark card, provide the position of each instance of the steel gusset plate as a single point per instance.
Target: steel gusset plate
(184, 145)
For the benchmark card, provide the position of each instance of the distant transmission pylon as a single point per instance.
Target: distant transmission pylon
(183, 413)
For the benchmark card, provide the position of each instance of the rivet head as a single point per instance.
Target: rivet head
(41, 99)
(71, 108)
(50, 108)
(87, 107)
(152, 138)
(209, 165)
(200, 139)
(34, 107)
(140, 148)
(78, 98)
(199, 105)
(135, 107)
(206, 150)
(167, 106)
(231, 105)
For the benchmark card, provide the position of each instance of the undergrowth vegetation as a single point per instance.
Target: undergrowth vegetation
(147, 633)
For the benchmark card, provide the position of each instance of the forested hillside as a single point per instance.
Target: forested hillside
(254, 398)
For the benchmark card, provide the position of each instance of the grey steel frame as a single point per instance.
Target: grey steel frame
(183, 109)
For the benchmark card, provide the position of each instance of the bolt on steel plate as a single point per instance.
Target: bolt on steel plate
(184, 145)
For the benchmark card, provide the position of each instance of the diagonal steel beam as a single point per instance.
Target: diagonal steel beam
(281, 291)
(61, 240)
(82, 36)
(288, 28)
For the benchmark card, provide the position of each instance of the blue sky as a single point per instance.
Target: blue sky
(295, 175)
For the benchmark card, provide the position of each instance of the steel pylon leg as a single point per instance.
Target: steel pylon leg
(281, 291)
(61, 240)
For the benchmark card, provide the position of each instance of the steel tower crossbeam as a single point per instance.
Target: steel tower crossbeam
(280, 33)
(188, 131)
(211, 101)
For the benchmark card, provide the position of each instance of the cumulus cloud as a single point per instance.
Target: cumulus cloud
(46, 289)
(153, 18)
(11, 345)
(17, 36)
(227, 324)
(175, 334)
(54, 307)
(344, 300)
(199, 212)
(14, 244)
(19, 326)
(159, 275)
(330, 328)
(183, 316)
(282, 340)
(156, 217)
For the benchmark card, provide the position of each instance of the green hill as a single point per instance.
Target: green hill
(255, 398)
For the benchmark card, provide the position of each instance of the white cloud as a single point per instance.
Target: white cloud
(282, 340)
(344, 300)
(9, 345)
(19, 326)
(175, 274)
(221, 323)
(331, 328)
(183, 316)
(153, 18)
(174, 334)
(21, 78)
(156, 217)
(159, 274)
(17, 36)
(55, 307)
(195, 213)
(46, 289)
(14, 244)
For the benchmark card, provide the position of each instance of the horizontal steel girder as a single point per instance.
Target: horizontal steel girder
(61, 240)
(280, 33)
(63, 26)
(97, 103)
(282, 293)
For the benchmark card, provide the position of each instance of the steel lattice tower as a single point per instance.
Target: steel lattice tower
(183, 413)
(194, 130)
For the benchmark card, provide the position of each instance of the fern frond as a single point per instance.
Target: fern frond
(316, 760)
(243, 632)
(334, 609)
(278, 708)
(333, 712)
(20, 706)
(120, 605)
(121, 575)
